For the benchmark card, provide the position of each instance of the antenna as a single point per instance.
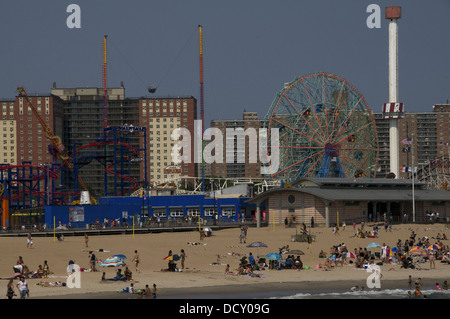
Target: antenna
(202, 111)
(105, 101)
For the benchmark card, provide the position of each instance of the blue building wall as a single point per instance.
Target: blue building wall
(228, 209)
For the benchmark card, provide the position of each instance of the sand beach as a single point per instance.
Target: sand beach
(206, 260)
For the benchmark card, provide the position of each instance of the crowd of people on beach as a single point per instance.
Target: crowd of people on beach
(410, 253)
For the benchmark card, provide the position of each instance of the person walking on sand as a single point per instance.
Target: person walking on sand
(23, 287)
(92, 261)
(136, 260)
(86, 239)
(242, 236)
(183, 258)
(29, 241)
(336, 231)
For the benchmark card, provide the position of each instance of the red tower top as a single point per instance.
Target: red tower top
(393, 12)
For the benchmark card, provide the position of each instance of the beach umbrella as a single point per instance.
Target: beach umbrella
(120, 256)
(418, 251)
(172, 257)
(373, 245)
(273, 256)
(257, 244)
(434, 246)
(112, 262)
(296, 252)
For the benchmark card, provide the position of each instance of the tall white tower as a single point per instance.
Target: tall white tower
(394, 109)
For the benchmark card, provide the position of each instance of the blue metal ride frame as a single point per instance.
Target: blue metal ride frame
(23, 182)
(327, 163)
(120, 158)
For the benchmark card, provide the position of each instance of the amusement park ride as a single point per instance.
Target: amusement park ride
(325, 129)
(28, 185)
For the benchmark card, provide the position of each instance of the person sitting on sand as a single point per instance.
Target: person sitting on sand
(119, 275)
(40, 272)
(322, 254)
(46, 268)
(227, 270)
(127, 274)
(25, 271)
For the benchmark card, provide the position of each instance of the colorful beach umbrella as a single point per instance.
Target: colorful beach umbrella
(373, 245)
(112, 262)
(434, 246)
(273, 256)
(120, 256)
(418, 251)
(172, 257)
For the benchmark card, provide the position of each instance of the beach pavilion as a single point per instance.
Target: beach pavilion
(331, 201)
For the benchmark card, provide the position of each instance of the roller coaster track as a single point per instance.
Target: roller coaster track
(108, 168)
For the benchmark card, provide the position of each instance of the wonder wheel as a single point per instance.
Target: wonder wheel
(325, 129)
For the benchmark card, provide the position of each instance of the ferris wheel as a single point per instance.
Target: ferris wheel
(325, 129)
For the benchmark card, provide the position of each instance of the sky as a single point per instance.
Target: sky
(250, 49)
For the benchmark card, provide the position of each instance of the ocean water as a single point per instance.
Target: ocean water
(430, 293)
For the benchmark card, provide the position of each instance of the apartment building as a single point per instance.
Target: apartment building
(23, 136)
(430, 133)
(162, 115)
(240, 166)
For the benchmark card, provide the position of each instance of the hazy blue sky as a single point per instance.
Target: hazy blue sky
(251, 48)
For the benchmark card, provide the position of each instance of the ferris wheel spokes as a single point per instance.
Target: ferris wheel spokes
(293, 129)
(325, 126)
(303, 117)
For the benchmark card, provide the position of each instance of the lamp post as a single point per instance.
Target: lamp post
(215, 214)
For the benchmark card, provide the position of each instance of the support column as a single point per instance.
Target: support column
(258, 215)
(327, 214)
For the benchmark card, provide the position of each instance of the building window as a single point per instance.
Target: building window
(210, 211)
(193, 211)
(176, 212)
(159, 212)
